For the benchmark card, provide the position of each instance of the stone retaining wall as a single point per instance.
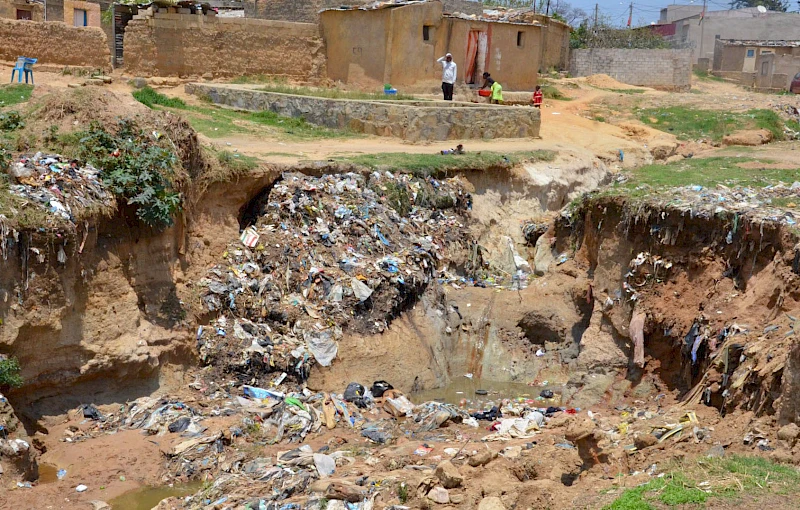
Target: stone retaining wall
(662, 69)
(416, 121)
(54, 43)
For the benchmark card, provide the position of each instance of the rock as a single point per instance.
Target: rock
(81, 488)
(349, 493)
(138, 82)
(491, 503)
(93, 81)
(74, 85)
(107, 79)
(644, 441)
(456, 499)
(674, 159)
(543, 257)
(526, 470)
(439, 495)
(208, 76)
(481, 458)
(789, 433)
(748, 137)
(100, 505)
(512, 452)
(449, 475)
(717, 451)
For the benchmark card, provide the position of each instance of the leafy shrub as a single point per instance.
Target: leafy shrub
(136, 168)
(9, 121)
(9, 373)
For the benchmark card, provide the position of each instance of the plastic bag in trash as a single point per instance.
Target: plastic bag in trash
(380, 432)
(322, 345)
(353, 391)
(325, 464)
(360, 289)
(378, 387)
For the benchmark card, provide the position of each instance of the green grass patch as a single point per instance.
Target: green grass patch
(691, 124)
(705, 75)
(336, 94)
(627, 91)
(14, 94)
(216, 122)
(709, 172)
(149, 97)
(427, 164)
(551, 92)
(690, 484)
(793, 125)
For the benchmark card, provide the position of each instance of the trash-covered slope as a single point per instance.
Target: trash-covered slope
(327, 255)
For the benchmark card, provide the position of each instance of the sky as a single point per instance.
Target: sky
(644, 12)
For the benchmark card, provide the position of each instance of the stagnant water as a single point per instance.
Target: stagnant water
(462, 392)
(145, 498)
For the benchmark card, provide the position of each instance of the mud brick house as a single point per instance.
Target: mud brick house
(764, 65)
(399, 43)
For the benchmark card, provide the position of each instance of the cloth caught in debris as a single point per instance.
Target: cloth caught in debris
(636, 330)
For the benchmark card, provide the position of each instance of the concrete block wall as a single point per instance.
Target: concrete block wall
(185, 45)
(415, 121)
(54, 43)
(662, 69)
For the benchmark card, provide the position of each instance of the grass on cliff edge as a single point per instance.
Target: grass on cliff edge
(14, 94)
(427, 164)
(709, 172)
(690, 484)
(693, 124)
(216, 122)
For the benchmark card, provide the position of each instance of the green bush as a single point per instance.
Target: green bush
(136, 168)
(9, 121)
(9, 373)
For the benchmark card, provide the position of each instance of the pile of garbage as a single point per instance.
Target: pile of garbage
(328, 254)
(741, 202)
(60, 186)
(790, 112)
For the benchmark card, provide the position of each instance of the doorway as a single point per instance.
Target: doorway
(477, 52)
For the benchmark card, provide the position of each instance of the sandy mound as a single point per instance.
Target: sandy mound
(605, 81)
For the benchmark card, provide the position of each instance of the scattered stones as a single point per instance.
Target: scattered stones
(439, 495)
(344, 492)
(512, 452)
(448, 475)
(491, 503)
(717, 451)
(457, 499)
(482, 458)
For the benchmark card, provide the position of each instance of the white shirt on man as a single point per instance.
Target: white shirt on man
(449, 70)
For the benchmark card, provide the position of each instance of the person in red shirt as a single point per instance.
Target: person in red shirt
(537, 97)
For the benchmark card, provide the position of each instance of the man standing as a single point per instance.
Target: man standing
(448, 76)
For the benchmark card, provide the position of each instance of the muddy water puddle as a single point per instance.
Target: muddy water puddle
(48, 473)
(481, 394)
(146, 498)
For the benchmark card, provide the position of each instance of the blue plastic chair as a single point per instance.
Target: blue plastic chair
(24, 65)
